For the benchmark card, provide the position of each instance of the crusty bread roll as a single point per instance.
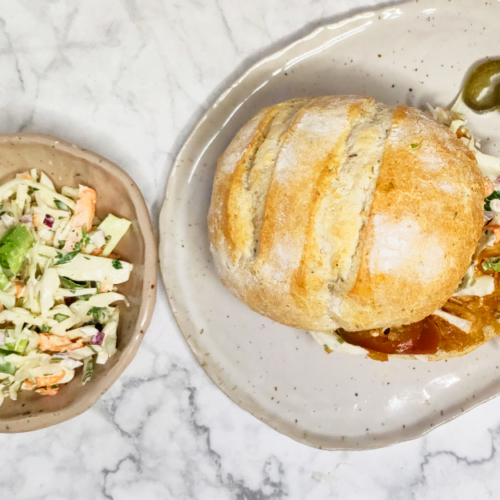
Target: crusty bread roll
(340, 211)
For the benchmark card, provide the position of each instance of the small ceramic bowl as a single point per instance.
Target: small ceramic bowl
(67, 164)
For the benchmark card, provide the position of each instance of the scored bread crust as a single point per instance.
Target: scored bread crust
(425, 221)
(310, 192)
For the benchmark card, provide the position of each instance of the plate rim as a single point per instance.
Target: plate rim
(164, 240)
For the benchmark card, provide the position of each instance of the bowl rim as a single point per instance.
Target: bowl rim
(25, 423)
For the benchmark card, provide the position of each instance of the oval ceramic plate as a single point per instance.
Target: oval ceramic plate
(412, 53)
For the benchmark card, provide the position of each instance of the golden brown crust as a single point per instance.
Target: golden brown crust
(271, 276)
(304, 171)
(423, 229)
(228, 228)
(293, 230)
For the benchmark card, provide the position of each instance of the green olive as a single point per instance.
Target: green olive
(482, 90)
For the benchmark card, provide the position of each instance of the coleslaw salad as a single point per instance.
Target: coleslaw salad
(58, 277)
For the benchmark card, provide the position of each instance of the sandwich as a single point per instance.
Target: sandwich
(374, 228)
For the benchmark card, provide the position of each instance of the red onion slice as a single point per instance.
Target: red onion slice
(49, 220)
(97, 338)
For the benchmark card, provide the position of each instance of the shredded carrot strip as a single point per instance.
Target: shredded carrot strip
(49, 380)
(45, 391)
(19, 288)
(58, 343)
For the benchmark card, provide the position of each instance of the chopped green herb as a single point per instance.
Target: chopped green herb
(492, 264)
(79, 245)
(31, 190)
(21, 346)
(73, 285)
(60, 317)
(85, 237)
(415, 145)
(117, 264)
(6, 367)
(61, 205)
(65, 258)
(88, 370)
(61, 244)
(84, 297)
(18, 347)
(487, 201)
(44, 329)
(340, 341)
(99, 314)
(86, 258)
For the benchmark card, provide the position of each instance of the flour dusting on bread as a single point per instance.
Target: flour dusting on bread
(341, 211)
(403, 244)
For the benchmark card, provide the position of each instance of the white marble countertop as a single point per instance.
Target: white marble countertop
(128, 79)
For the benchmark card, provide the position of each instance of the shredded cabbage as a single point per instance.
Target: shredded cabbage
(479, 287)
(57, 314)
(456, 120)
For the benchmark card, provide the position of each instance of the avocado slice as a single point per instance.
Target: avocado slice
(14, 247)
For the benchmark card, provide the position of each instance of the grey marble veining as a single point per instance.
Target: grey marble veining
(129, 79)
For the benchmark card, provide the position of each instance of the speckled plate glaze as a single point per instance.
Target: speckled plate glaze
(413, 53)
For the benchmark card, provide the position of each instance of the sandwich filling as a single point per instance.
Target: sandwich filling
(472, 314)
